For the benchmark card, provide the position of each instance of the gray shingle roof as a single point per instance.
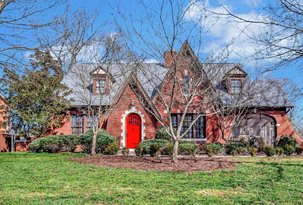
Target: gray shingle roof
(216, 71)
(262, 93)
(80, 81)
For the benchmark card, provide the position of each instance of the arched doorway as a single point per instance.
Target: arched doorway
(133, 130)
(257, 125)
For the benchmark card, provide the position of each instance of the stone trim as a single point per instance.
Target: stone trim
(123, 127)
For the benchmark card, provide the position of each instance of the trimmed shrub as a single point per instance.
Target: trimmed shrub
(162, 134)
(139, 150)
(188, 148)
(67, 143)
(235, 147)
(152, 147)
(125, 151)
(168, 150)
(103, 140)
(288, 144)
(213, 148)
(257, 142)
(253, 151)
(244, 141)
(289, 150)
(269, 151)
(157, 146)
(279, 151)
(54, 143)
(111, 149)
(299, 150)
(155, 149)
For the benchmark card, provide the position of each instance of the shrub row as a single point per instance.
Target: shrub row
(285, 145)
(165, 147)
(105, 143)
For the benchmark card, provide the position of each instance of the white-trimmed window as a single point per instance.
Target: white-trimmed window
(100, 86)
(235, 86)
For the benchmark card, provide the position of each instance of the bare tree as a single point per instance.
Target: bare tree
(280, 41)
(93, 83)
(20, 21)
(282, 24)
(190, 91)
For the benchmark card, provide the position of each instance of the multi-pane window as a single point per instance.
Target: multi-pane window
(197, 131)
(200, 128)
(186, 126)
(100, 86)
(235, 86)
(77, 124)
(90, 120)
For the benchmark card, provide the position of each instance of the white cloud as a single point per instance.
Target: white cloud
(89, 53)
(223, 30)
(151, 60)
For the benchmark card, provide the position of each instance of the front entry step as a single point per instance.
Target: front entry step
(131, 152)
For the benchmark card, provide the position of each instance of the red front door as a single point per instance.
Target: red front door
(133, 131)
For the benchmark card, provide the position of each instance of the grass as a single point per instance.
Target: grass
(27, 178)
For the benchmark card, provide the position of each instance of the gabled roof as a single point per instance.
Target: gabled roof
(237, 70)
(260, 93)
(138, 89)
(151, 75)
(101, 71)
(79, 79)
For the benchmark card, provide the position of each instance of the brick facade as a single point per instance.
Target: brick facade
(128, 103)
(4, 146)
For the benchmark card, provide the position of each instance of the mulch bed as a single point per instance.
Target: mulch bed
(185, 164)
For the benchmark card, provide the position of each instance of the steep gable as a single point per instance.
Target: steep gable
(237, 70)
(135, 85)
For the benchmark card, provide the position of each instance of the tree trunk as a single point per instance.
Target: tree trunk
(175, 151)
(93, 152)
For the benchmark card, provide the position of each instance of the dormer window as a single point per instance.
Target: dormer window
(102, 81)
(100, 86)
(235, 86)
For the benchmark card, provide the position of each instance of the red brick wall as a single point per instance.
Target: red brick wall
(3, 144)
(3, 124)
(21, 146)
(66, 128)
(114, 124)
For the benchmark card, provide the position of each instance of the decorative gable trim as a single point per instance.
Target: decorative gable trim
(99, 71)
(237, 70)
(134, 82)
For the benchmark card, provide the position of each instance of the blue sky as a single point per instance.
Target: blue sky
(216, 33)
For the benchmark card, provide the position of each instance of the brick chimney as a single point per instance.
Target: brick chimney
(170, 58)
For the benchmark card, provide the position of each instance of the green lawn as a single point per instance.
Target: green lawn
(53, 179)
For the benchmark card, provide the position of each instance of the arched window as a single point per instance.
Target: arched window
(256, 125)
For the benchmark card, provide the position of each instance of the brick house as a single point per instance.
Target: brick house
(132, 96)
(4, 141)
